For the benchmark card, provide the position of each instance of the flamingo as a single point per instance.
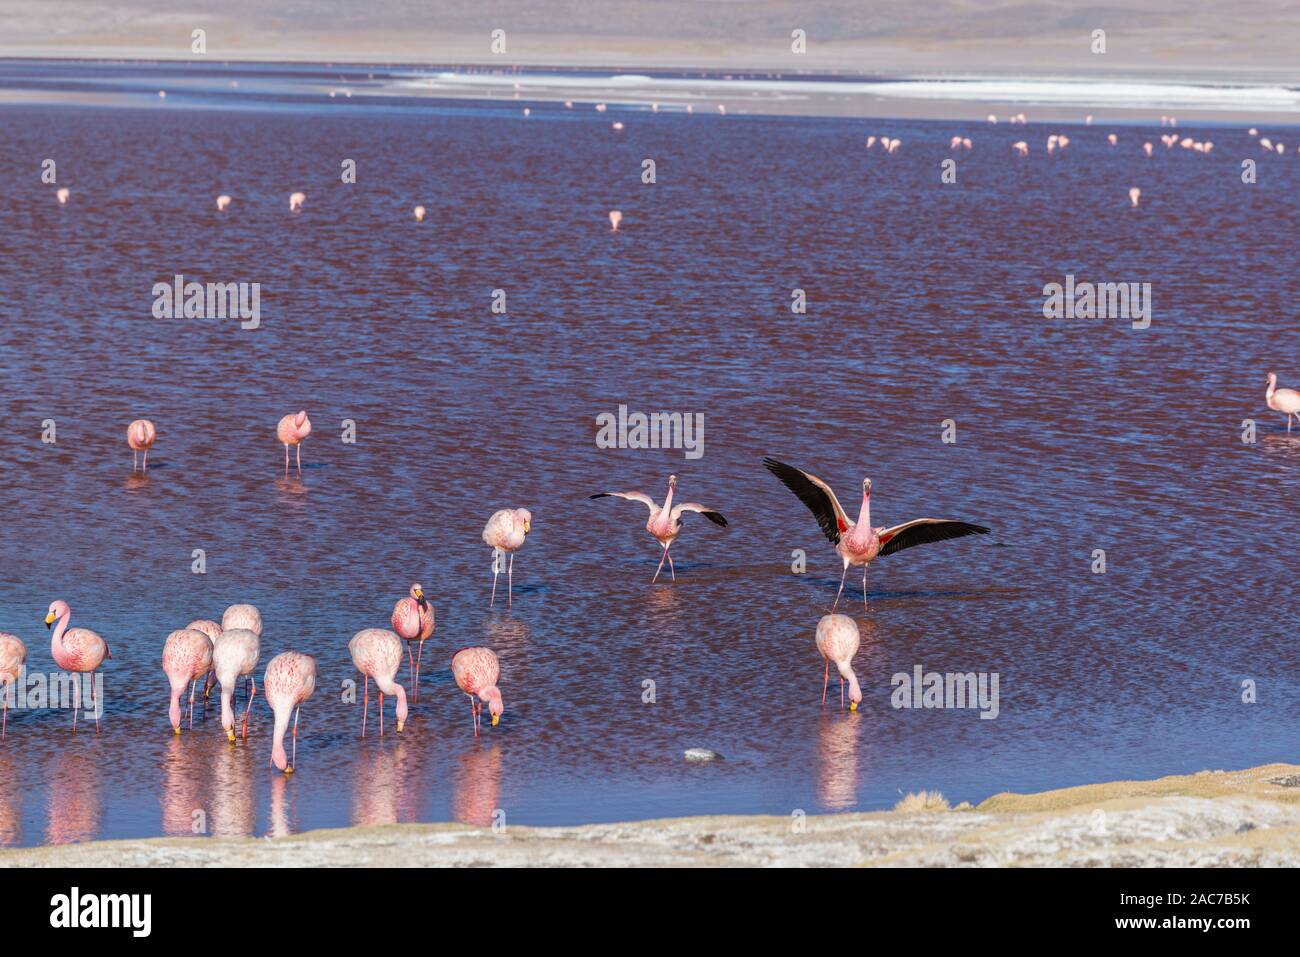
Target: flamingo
(413, 621)
(665, 523)
(291, 431)
(296, 200)
(615, 217)
(477, 671)
(289, 680)
(377, 653)
(1133, 195)
(1021, 147)
(213, 631)
(62, 195)
(1146, 148)
(234, 655)
(236, 616)
(1282, 400)
(1112, 139)
(838, 640)
(186, 657)
(418, 212)
(13, 653)
(222, 202)
(505, 532)
(859, 543)
(76, 649)
(140, 435)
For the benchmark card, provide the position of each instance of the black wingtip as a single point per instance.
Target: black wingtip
(599, 495)
(716, 518)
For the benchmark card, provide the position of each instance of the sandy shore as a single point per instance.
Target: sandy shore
(1213, 818)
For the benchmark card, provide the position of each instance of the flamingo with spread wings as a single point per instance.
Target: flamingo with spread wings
(858, 543)
(665, 522)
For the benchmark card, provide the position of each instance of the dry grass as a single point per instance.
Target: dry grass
(922, 801)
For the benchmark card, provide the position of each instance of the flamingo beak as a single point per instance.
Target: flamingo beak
(495, 719)
(399, 727)
(177, 730)
(49, 619)
(853, 706)
(230, 735)
(528, 527)
(288, 769)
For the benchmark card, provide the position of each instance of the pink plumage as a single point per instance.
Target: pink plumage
(234, 655)
(838, 640)
(186, 657)
(290, 680)
(504, 533)
(12, 655)
(377, 653)
(76, 649)
(413, 620)
(477, 671)
(291, 430)
(140, 435)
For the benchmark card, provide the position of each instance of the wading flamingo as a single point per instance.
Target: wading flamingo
(413, 621)
(477, 671)
(1133, 195)
(76, 649)
(140, 435)
(615, 217)
(505, 532)
(1282, 400)
(63, 195)
(289, 680)
(418, 212)
(222, 202)
(377, 653)
(859, 543)
(291, 431)
(234, 656)
(186, 657)
(296, 200)
(213, 631)
(12, 655)
(837, 640)
(665, 522)
(241, 616)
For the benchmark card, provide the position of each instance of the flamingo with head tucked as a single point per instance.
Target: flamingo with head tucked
(289, 680)
(234, 655)
(838, 640)
(1282, 400)
(238, 616)
(505, 532)
(186, 657)
(140, 435)
(665, 522)
(76, 649)
(13, 653)
(291, 431)
(477, 672)
(377, 653)
(413, 621)
(858, 543)
(213, 631)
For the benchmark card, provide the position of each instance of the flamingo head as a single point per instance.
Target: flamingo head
(526, 517)
(1272, 378)
(302, 424)
(417, 592)
(492, 696)
(58, 609)
(866, 488)
(672, 481)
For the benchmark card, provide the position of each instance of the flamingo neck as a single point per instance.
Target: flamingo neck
(280, 759)
(56, 640)
(1272, 387)
(668, 502)
(862, 530)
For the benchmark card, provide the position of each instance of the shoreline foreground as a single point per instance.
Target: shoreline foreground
(1208, 819)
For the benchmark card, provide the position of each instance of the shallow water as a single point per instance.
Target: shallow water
(925, 304)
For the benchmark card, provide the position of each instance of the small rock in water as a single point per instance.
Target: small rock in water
(702, 754)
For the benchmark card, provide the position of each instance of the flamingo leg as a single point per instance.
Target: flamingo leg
(510, 582)
(410, 661)
(296, 711)
(670, 563)
(94, 700)
(864, 590)
(249, 707)
(4, 723)
(381, 711)
(76, 703)
(193, 684)
(298, 449)
(496, 573)
(415, 685)
(286, 458)
(826, 680)
(144, 463)
(841, 591)
(365, 707)
(661, 565)
(841, 687)
(135, 458)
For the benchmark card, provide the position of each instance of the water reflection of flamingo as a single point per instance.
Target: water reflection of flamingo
(476, 787)
(413, 620)
(377, 653)
(12, 655)
(186, 657)
(857, 542)
(74, 798)
(231, 795)
(837, 762)
(665, 522)
(289, 680)
(477, 671)
(78, 650)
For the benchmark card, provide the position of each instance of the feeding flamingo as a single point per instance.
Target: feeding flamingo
(13, 653)
(665, 522)
(222, 202)
(615, 217)
(296, 200)
(413, 621)
(1021, 147)
(140, 435)
(838, 640)
(1134, 194)
(234, 655)
(477, 671)
(186, 657)
(291, 431)
(418, 213)
(505, 532)
(377, 653)
(289, 680)
(62, 195)
(859, 543)
(213, 631)
(1282, 400)
(76, 649)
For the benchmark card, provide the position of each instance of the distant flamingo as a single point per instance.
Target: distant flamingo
(617, 126)
(504, 532)
(665, 522)
(477, 671)
(1021, 147)
(1112, 139)
(837, 640)
(1146, 148)
(76, 649)
(186, 657)
(296, 200)
(290, 680)
(419, 214)
(234, 655)
(13, 653)
(222, 202)
(62, 195)
(1134, 194)
(377, 653)
(858, 543)
(1282, 400)
(615, 217)
(291, 431)
(140, 435)
(413, 621)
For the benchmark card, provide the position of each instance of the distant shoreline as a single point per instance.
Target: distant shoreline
(1209, 819)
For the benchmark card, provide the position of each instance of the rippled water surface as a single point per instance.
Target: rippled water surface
(924, 304)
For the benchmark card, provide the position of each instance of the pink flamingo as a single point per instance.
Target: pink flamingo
(1021, 147)
(413, 621)
(62, 195)
(477, 671)
(504, 532)
(1146, 148)
(186, 657)
(1134, 195)
(235, 616)
(234, 655)
(213, 631)
(76, 649)
(297, 199)
(291, 431)
(290, 680)
(377, 653)
(615, 217)
(13, 653)
(1282, 400)
(859, 543)
(665, 522)
(140, 435)
(838, 640)
(222, 202)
